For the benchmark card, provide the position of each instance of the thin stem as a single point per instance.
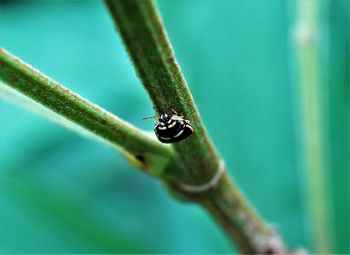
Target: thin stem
(307, 39)
(140, 148)
(148, 46)
(15, 97)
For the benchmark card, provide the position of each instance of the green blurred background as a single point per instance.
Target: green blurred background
(61, 193)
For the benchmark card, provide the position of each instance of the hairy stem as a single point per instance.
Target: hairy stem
(151, 53)
(148, 46)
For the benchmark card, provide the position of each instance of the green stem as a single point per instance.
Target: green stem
(140, 148)
(150, 51)
(148, 46)
(308, 52)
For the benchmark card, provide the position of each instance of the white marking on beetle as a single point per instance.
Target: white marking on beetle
(165, 138)
(175, 117)
(171, 125)
(178, 134)
(190, 127)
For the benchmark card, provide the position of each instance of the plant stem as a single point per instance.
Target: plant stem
(307, 39)
(139, 148)
(337, 121)
(148, 46)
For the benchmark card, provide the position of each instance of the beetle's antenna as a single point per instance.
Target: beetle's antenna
(152, 117)
(147, 118)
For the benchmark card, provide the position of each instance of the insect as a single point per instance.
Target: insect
(171, 128)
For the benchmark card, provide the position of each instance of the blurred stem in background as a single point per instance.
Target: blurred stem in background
(307, 38)
(338, 119)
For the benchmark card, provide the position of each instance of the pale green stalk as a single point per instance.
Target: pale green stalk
(308, 52)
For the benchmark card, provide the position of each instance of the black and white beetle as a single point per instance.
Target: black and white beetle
(171, 128)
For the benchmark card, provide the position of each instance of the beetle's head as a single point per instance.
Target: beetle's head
(164, 117)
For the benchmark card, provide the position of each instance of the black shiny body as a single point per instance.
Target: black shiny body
(171, 128)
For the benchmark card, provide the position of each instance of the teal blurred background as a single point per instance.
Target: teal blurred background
(61, 193)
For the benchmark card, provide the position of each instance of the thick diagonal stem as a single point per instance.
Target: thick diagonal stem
(148, 46)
